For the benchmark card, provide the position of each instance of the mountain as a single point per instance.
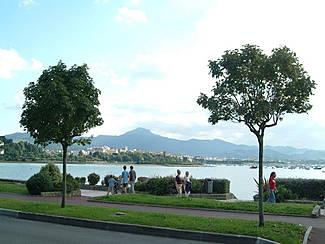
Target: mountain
(144, 139)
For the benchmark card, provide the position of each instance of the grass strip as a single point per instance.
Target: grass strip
(277, 231)
(279, 208)
(12, 187)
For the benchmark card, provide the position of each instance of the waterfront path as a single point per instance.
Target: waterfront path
(318, 224)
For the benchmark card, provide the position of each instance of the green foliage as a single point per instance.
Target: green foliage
(40, 182)
(22, 151)
(54, 172)
(284, 194)
(161, 185)
(221, 186)
(93, 179)
(81, 180)
(257, 89)
(310, 189)
(166, 186)
(72, 183)
(61, 105)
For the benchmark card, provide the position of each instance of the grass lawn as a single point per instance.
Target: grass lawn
(279, 208)
(12, 187)
(277, 231)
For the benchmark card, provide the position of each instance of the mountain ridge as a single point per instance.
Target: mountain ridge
(144, 139)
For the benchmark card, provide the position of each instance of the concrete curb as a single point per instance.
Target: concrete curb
(140, 229)
(307, 234)
(201, 209)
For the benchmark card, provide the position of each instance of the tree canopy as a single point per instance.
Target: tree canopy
(61, 105)
(257, 89)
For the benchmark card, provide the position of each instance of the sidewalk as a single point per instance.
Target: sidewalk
(317, 235)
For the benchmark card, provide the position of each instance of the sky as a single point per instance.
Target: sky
(150, 59)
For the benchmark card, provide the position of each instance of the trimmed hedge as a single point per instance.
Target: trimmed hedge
(310, 189)
(93, 179)
(166, 186)
(38, 183)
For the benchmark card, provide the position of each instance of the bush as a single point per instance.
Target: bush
(221, 186)
(93, 179)
(284, 194)
(310, 189)
(161, 185)
(72, 184)
(197, 186)
(81, 180)
(54, 172)
(140, 186)
(38, 183)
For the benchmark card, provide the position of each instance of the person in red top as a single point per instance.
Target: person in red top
(272, 186)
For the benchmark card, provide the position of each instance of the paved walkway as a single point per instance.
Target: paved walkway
(317, 235)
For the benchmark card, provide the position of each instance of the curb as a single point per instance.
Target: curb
(140, 229)
(201, 209)
(307, 234)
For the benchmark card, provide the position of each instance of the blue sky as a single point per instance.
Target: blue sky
(149, 59)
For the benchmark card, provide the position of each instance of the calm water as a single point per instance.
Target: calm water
(241, 177)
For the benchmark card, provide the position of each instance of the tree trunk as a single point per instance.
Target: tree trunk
(260, 180)
(64, 178)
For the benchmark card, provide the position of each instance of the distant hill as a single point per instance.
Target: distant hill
(144, 139)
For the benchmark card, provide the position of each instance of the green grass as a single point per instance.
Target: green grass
(11, 187)
(277, 231)
(279, 208)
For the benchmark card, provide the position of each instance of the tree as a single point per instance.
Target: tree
(257, 89)
(60, 107)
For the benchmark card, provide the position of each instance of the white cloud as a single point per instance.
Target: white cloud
(170, 100)
(130, 16)
(36, 64)
(26, 3)
(10, 62)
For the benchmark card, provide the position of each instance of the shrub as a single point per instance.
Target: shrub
(54, 172)
(310, 189)
(38, 183)
(140, 186)
(221, 186)
(197, 186)
(93, 179)
(81, 180)
(161, 185)
(284, 194)
(72, 184)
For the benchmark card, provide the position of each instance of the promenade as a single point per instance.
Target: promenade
(318, 224)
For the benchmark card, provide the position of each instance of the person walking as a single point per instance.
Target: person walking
(132, 178)
(187, 184)
(272, 188)
(179, 183)
(125, 179)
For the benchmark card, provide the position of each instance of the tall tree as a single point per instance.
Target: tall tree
(257, 89)
(60, 107)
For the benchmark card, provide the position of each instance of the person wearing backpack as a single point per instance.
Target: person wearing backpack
(132, 178)
(179, 183)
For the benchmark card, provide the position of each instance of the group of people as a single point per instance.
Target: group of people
(127, 179)
(183, 184)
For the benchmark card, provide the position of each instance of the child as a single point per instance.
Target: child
(111, 184)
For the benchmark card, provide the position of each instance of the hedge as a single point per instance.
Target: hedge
(166, 186)
(310, 189)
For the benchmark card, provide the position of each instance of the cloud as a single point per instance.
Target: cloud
(10, 62)
(26, 3)
(166, 103)
(130, 16)
(36, 64)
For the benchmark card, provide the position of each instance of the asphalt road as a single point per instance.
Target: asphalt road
(13, 231)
